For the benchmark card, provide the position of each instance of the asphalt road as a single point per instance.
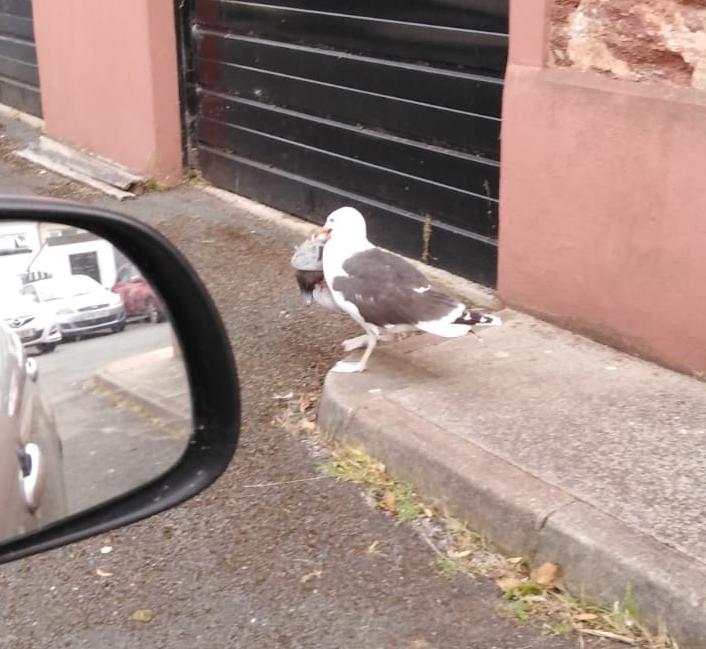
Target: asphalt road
(62, 371)
(271, 555)
(110, 447)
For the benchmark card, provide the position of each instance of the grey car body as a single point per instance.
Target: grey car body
(81, 304)
(32, 491)
(35, 324)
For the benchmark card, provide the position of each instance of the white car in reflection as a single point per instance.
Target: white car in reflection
(81, 304)
(32, 489)
(36, 325)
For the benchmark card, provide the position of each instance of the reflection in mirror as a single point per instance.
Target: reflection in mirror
(94, 399)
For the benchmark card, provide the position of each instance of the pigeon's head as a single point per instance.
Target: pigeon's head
(345, 223)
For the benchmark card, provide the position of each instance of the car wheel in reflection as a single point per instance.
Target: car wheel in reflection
(153, 314)
(45, 348)
(118, 328)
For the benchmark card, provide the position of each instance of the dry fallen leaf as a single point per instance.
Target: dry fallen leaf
(462, 554)
(585, 617)
(610, 635)
(306, 426)
(103, 573)
(143, 615)
(420, 643)
(389, 503)
(310, 576)
(546, 574)
(508, 583)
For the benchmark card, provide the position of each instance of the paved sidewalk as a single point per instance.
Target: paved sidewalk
(559, 449)
(156, 382)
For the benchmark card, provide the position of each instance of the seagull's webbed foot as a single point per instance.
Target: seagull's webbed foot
(354, 343)
(351, 344)
(371, 336)
(347, 367)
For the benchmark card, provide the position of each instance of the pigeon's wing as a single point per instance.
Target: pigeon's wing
(309, 255)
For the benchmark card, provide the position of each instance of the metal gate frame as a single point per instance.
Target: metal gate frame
(255, 75)
(19, 73)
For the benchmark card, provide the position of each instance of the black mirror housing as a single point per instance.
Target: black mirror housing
(206, 352)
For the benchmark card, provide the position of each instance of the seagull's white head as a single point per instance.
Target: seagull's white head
(345, 223)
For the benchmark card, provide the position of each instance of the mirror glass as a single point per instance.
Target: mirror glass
(94, 399)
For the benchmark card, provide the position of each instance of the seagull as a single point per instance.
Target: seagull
(382, 292)
(309, 272)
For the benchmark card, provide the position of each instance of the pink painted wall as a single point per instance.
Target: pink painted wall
(603, 205)
(108, 74)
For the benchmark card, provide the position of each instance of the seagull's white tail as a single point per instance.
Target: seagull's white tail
(461, 325)
(478, 319)
(445, 329)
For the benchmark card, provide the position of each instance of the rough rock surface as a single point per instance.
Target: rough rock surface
(640, 40)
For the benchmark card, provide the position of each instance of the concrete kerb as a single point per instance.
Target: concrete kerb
(600, 556)
(152, 404)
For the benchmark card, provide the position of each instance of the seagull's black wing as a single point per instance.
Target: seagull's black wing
(387, 290)
(381, 266)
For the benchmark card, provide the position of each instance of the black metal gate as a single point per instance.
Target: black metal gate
(19, 74)
(388, 105)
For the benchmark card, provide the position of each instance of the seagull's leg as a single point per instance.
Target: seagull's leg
(360, 341)
(348, 367)
(354, 343)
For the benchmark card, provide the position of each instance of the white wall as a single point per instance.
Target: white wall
(13, 265)
(55, 259)
(51, 259)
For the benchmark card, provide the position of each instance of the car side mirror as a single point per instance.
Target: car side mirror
(202, 361)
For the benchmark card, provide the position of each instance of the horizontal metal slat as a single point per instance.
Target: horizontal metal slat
(20, 96)
(16, 26)
(488, 15)
(450, 205)
(450, 167)
(446, 46)
(16, 7)
(17, 49)
(453, 89)
(462, 253)
(26, 73)
(436, 125)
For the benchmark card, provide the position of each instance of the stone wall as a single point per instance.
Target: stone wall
(639, 40)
